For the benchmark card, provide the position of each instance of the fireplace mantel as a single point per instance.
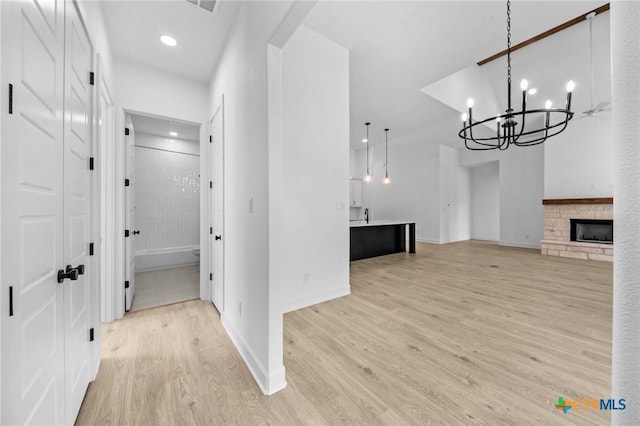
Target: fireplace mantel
(581, 201)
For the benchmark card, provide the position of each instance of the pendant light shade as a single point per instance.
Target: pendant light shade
(367, 176)
(386, 179)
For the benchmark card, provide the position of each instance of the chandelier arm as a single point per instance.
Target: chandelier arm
(523, 114)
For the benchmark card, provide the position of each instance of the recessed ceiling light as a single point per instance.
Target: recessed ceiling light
(169, 41)
(174, 134)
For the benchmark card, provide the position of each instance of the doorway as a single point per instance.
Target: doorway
(162, 211)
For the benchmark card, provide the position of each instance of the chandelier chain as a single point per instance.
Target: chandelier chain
(509, 42)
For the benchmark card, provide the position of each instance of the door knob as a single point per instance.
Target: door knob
(70, 273)
(136, 232)
(218, 237)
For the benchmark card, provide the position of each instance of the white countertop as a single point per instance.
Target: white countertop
(362, 223)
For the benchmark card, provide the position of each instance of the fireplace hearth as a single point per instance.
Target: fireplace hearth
(598, 231)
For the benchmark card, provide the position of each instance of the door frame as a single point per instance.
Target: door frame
(218, 109)
(105, 121)
(118, 207)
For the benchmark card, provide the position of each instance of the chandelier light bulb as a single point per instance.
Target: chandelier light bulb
(367, 178)
(509, 126)
(386, 180)
(365, 140)
(168, 40)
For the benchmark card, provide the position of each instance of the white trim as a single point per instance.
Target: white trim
(427, 240)
(164, 250)
(519, 245)
(269, 382)
(293, 305)
(206, 290)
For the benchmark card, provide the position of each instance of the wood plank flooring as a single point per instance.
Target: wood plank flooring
(463, 333)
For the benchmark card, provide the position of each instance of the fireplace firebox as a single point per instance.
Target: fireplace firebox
(592, 231)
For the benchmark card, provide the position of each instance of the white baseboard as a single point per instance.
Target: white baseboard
(269, 382)
(519, 245)
(294, 305)
(427, 240)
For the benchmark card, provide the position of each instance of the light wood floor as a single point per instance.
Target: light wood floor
(463, 333)
(166, 286)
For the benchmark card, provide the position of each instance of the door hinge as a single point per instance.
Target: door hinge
(10, 301)
(210, 138)
(90, 249)
(210, 277)
(92, 77)
(126, 131)
(126, 284)
(126, 182)
(91, 338)
(211, 230)
(211, 184)
(91, 161)
(10, 98)
(126, 233)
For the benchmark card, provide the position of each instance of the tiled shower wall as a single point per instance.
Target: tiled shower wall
(167, 193)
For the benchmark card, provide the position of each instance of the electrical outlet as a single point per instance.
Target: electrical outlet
(306, 277)
(240, 308)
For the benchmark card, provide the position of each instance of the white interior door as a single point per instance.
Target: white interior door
(216, 238)
(32, 213)
(77, 208)
(129, 221)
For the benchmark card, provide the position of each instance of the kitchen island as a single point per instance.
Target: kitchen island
(380, 237)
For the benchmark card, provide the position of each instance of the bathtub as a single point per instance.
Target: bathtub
(172, 257)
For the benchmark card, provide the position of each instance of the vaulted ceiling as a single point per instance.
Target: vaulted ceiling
(396, 49)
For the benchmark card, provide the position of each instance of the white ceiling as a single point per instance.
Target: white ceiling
(163, 127)
(135, 28)
(396, 48)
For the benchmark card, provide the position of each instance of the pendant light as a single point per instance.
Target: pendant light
(510, 126)
(367, 176)
(386, 179)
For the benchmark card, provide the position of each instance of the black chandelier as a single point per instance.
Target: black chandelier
(510, 126)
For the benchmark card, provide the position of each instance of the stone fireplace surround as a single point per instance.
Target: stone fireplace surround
(557, 228)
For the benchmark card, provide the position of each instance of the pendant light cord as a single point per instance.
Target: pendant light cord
(386, 153)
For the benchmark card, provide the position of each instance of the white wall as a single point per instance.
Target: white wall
(521, 192)
(413, 191)
(579, 162)
(315, 170)
(485, 201)
(167, 193)
(454, 197)
(142, 89)
(241, 76)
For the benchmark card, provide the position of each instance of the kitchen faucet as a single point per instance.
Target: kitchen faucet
(366, 215)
